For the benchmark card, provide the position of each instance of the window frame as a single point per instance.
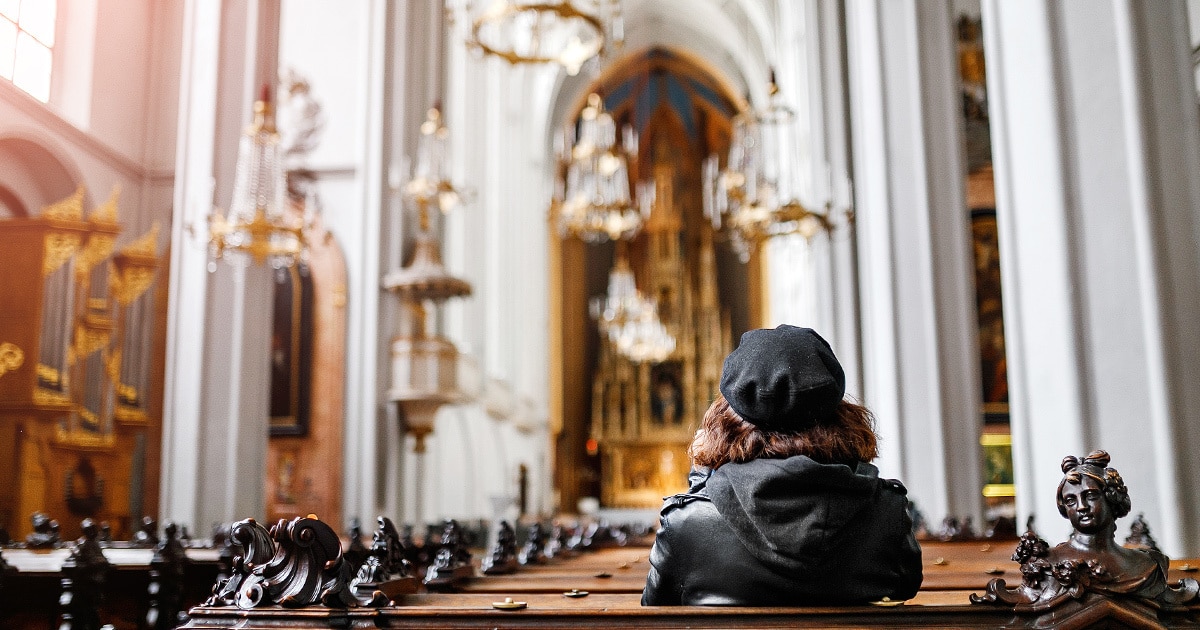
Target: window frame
(53, 82)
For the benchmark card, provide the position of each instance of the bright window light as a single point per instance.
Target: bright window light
(26, 40)
(37, 19)
(32, 69)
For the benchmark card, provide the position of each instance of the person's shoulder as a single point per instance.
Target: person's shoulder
(687, 507)
(893, 485)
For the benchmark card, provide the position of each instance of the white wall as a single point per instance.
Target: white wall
(111, 117)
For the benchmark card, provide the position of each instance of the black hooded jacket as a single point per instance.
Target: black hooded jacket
(784, 532)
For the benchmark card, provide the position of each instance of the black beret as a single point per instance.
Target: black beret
(783, 379)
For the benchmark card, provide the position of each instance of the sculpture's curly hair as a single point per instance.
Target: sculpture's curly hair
(844, 437)
(1095, 465)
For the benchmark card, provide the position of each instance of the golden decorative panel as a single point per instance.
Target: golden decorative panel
(99, 246)
(11, 358)
(127, 394)
(146, 245)
(130, 415)
(107, 212)
(50, 398)
(128, 284)
(49, 375)
(60, 246)
(84, 440)
(69, 209)
(87, 341)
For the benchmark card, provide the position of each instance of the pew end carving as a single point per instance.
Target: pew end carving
(452, 562)
(503, 557)
(386, 573)
(295, 564)
(84, 575)
(1090, 577)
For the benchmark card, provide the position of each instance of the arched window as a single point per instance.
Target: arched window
(26, 40)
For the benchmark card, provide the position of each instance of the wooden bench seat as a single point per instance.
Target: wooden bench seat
(943, 609)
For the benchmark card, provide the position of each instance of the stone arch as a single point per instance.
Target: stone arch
(34, 174)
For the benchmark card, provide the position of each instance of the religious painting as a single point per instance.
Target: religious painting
(291, 351)
(643, 474)
(993, 363)
(666, 394)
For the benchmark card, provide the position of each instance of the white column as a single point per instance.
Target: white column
(1097, 148)
(416, 81)
(219, 328)
(829, 79)
(920, 357)
(369, 435)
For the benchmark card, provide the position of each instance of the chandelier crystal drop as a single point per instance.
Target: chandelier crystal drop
(430, 183)
(595, 202)
(757, 195)
(260, 226)
(563, 32)
(629, 320)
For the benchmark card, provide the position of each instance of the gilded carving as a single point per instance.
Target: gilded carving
(129, 283)
(99, 246)
(69, 209)
(90, 420)
(147, 245)
(49, 375)
(107, 212)
(130, 415)
(49, 398)
(11, 358)
(87, 341)
(60, 246)
(84, 440)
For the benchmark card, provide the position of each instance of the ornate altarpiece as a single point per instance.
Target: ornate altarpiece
(644, 415)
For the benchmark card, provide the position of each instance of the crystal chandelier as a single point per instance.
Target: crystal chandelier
(629, 320)
(757, 195)
(430, 184)
(565, 32)
(594, 203)
(260, 226)
(426, 278)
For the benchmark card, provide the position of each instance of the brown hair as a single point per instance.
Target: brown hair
(847, 435)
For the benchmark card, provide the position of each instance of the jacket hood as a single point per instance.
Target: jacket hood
(789, 512)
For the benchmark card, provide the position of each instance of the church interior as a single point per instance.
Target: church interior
(482, 259)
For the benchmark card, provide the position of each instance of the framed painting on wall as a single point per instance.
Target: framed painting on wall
(993, 363)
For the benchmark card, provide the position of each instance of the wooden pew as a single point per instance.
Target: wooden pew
(30, 597)
(942, 609)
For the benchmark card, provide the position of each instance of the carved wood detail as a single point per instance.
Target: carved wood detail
(1090, 578)
(294, 565)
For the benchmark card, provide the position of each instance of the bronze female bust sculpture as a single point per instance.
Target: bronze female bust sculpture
(1090, 565)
